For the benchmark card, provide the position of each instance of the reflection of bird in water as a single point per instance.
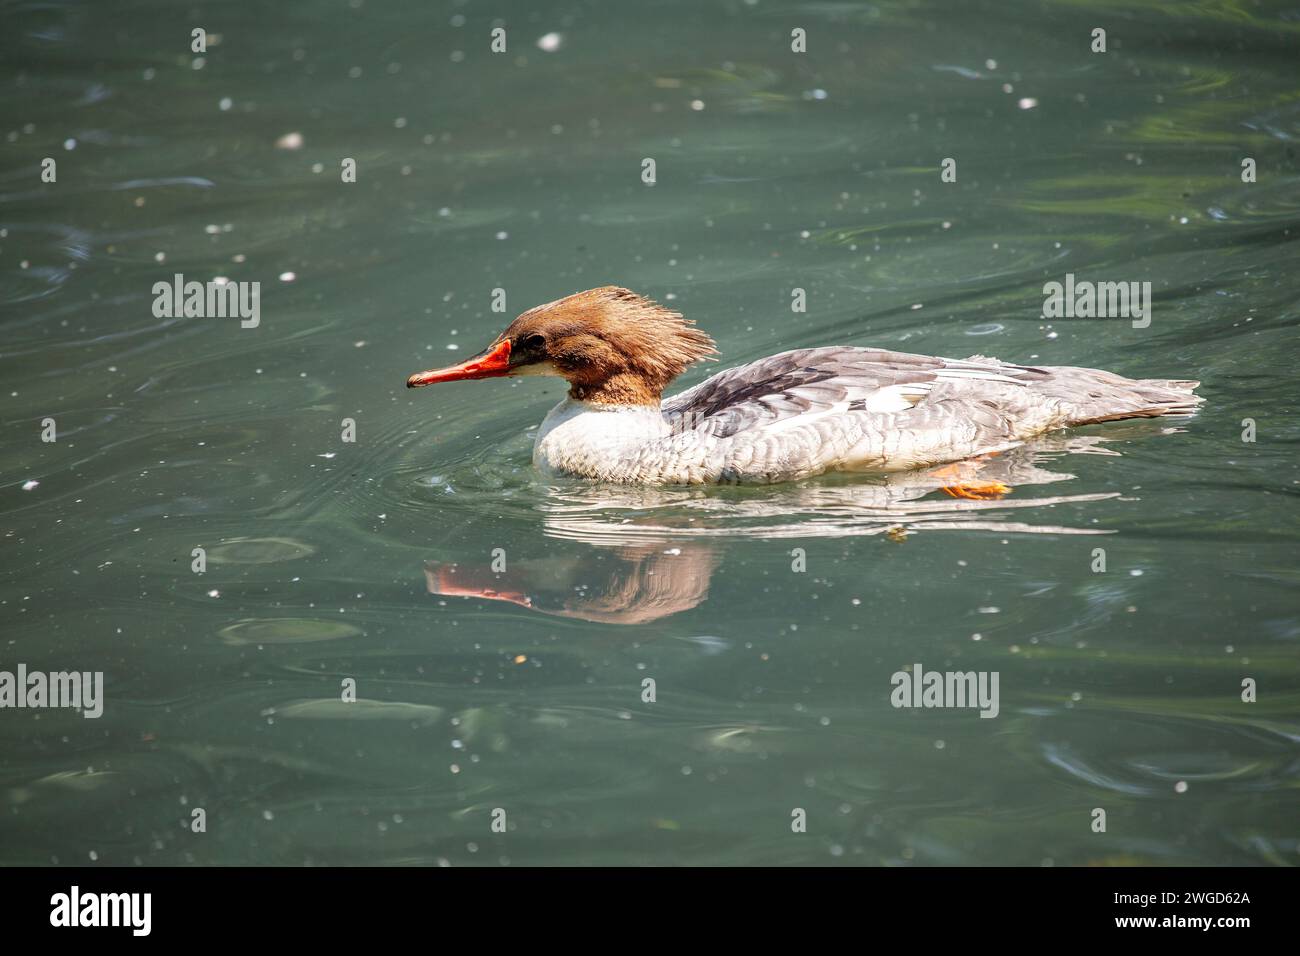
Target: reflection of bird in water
(650, 557)
(622, 585)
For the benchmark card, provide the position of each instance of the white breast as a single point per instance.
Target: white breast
(596, 441)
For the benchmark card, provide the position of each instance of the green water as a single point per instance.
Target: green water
(1119, 690)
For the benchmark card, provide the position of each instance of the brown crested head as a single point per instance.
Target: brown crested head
(613, 347)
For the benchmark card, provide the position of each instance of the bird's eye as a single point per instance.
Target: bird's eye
(535, 342)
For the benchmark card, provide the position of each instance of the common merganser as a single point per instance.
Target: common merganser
(789, 416)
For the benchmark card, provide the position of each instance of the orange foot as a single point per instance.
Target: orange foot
(984, 491)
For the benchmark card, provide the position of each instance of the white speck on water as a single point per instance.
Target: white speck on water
(225, 103)
(1180, 786)
(30, 484)
(214, 593)
(1027, 103)
(990, 610)
(288, 276)
(550, 42)
(503, 235)
(289, 141)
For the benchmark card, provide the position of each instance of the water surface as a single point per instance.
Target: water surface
(374, 560)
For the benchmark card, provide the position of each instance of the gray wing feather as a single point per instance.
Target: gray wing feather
(805, 382)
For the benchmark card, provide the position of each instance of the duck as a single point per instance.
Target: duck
(786, 417)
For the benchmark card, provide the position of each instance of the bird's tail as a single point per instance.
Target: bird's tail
(1088, 396)
(1097, 396)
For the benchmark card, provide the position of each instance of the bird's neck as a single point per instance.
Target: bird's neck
(620, 389)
